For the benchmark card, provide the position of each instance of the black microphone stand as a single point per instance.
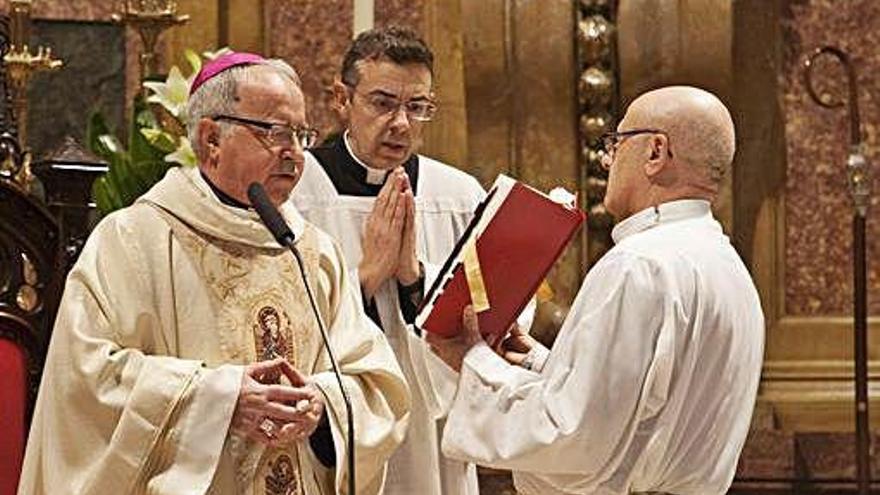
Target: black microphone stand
(274, 222)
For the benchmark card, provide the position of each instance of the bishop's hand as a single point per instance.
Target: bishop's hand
(276, 414)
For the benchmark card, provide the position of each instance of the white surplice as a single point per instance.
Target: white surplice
(444, 203)
(651, 382)
(166, 302)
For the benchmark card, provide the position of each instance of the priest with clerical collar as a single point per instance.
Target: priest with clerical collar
(186, 357)
(397, 215)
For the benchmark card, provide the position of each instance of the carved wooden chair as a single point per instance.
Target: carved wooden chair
(29, 293)
(31, 276)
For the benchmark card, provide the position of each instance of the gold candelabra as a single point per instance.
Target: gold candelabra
(21, 63)
(150, 18)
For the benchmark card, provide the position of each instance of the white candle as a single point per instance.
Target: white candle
(364, 11)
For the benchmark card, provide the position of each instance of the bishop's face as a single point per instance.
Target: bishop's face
(382, 133)
(251, 152)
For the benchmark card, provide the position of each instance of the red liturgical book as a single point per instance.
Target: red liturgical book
(516, 235)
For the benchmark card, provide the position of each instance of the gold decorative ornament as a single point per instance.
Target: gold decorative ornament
(594, 4)
(599, 218)
(593, 126)
(596, 189)
(27, 298)
(28, 271)
(594, 35)
(597, 91)
(16, 164)
(21, 64)
(595, 87)
(150, 18)
(592, 158)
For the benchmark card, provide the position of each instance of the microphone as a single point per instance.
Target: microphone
(270, 216)
(274, 222)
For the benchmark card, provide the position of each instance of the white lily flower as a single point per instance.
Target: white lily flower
(171, 94)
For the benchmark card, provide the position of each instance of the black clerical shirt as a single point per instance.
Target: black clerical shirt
(350, 178)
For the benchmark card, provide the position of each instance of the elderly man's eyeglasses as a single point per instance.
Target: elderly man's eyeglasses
(277, 134)
(613, 139)
(380, 104)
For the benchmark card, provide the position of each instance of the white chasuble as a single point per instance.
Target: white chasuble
(168, 300)
(445, 202)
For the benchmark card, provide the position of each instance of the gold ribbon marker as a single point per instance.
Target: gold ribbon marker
(474, 274)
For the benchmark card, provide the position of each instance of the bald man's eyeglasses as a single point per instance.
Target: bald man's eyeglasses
(277, 134)
(613, 139)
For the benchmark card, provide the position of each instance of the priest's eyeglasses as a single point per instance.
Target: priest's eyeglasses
(278, 134)
(613, 139)
(381, 104)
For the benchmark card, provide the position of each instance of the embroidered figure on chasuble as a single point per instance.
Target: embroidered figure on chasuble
(281, 479)
(271, 341)
(254, 291)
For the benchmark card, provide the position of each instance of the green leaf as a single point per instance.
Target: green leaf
(195, 63)
(149, 172)
(121, 181)
(106, 198)
(139, 147)
(110, 145)
(160, 139)
(184, 154)
(97, 141)
(153, 145)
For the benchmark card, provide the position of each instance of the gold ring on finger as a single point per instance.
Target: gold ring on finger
(268, 427)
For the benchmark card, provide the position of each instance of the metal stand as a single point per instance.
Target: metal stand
(150, 18)
(859, 175)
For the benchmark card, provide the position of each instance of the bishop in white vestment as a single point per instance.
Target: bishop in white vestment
(175, 304)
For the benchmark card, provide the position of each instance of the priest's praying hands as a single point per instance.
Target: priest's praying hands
(408, 271)
(389, 236)
(273, 413)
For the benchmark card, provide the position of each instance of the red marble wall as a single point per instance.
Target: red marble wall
(409, 13)
(818, 241)
(310, 34)
(314, 34)
(92, 10)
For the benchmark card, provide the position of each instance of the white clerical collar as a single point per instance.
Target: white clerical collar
(672, 211)
(375, 176)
